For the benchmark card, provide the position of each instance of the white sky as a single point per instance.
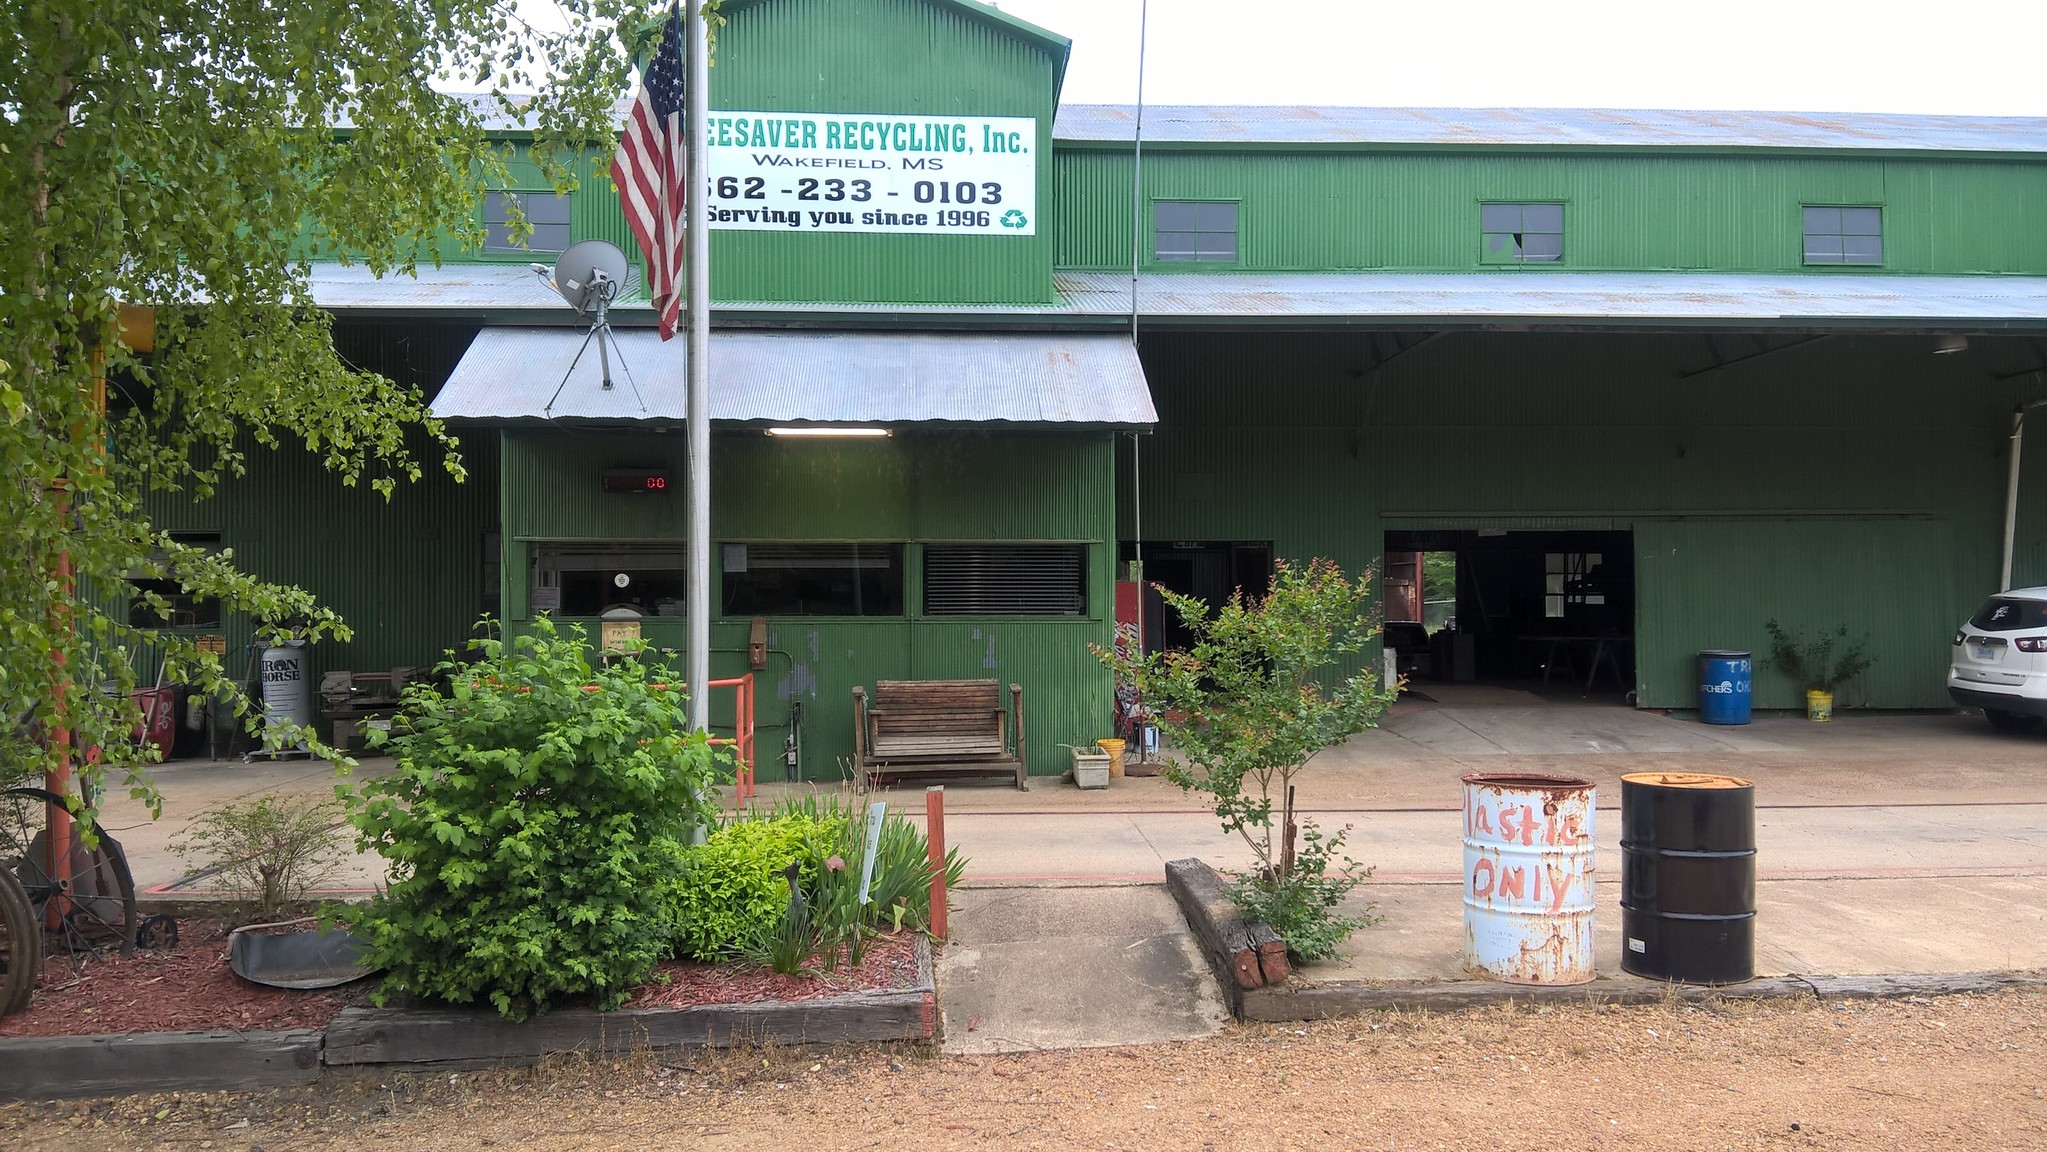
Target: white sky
(1971, 57)
(1976, 57)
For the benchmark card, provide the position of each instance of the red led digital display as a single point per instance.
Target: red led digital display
(636, 480)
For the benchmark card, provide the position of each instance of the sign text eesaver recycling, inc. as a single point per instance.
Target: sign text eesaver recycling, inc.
(818, 172)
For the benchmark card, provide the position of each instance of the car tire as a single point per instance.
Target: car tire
(2013, 722)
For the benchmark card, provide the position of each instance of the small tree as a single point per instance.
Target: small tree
(1247, 706)
(271, 851)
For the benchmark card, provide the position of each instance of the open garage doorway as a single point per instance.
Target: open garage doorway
(1208, 570)
(1548, 612)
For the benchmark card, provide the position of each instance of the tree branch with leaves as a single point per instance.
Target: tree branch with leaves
(178, 165)
(1249, 703)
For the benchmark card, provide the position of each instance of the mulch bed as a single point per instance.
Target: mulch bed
(890, 964)
(186, 989)
(191, 989)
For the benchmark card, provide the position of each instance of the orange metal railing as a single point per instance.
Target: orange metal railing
(741, 740)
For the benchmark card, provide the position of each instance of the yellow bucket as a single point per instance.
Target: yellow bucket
(1819, 706)
(1114, 748)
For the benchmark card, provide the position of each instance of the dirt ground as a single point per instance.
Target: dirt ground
(1960, 1072)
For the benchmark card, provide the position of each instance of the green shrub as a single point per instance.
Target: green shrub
(731, 890)
(535, 826)
(1301, 905)
(826, 836)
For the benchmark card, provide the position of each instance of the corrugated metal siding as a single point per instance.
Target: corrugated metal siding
(407, 575)
(1714, 584)
(1329, 211)
(1091, 233)
(896, 56)
(909, 488)
(1891, 457)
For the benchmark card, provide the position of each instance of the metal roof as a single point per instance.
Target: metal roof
(1550, 127)
(810, 377)
(1535, 296)
(459, 287)
(1557, 297)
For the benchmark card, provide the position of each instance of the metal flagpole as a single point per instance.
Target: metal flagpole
(697, 99)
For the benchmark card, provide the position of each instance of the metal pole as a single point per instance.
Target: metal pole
(698, 667)
(2011, 496)
(1137, 167)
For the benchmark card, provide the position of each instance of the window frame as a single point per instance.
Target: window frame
(1236, 233)
(507, 250)
(1520, 259)
(902, 569)
(581, 546)
(1806, 257)
(1082, 549)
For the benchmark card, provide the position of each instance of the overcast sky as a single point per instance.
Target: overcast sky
(1972, 57)
(1978, 57)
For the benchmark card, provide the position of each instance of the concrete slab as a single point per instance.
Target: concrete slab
(1557, 729)
(1838, 927)
(1030, 969)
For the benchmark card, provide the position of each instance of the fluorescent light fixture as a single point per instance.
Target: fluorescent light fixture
(1942, 345)
(828, 430)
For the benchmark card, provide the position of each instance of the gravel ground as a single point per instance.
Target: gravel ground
(1961, 1072)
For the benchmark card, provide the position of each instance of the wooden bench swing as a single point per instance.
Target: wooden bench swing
(939, 727)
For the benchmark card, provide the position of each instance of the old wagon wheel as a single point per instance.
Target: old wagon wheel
(21, 946)
(95, 895)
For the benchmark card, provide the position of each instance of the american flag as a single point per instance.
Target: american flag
(649, 171)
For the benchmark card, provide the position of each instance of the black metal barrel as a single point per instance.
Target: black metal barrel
(1688, 877)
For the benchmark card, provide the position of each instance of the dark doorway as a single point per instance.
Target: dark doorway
(1549, 610)
(1207, 570)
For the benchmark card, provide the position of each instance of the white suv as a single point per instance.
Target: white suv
(2001, 661)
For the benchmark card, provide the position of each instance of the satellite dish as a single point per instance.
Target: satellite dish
(591, 274)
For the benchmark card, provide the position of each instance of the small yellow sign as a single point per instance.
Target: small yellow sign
(616, 634)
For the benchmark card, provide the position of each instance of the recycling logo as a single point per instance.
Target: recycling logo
(1014, 219)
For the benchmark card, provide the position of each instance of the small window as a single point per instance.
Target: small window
(1204, 230)
(547, 212)
(813, 579)
(180, 609)
(1521, 233)
(1840, 235)
(592, 578)
(1005, 580)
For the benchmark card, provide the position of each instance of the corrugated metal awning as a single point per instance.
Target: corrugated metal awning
(807, 377)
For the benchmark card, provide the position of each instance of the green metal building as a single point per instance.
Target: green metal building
(1656, 377)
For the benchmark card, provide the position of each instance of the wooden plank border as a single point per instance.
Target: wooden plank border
(428, 1039)
(62, 1067)
(1244, 956)
(1348, 998)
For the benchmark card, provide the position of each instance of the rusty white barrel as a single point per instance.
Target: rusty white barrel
(1528, 872)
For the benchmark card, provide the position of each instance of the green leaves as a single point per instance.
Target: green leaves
(173, 169)
(1250, 702)
(535, 822)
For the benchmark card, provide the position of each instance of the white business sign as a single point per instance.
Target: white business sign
(929, 175)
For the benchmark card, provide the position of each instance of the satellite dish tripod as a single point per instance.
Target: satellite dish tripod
(591, 294)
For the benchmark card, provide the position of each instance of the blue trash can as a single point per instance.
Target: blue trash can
(1725, 686)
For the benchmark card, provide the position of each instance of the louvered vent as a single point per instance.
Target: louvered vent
(1005, 580)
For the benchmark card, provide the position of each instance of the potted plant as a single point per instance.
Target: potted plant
(1090, 766)
(1819, 664)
